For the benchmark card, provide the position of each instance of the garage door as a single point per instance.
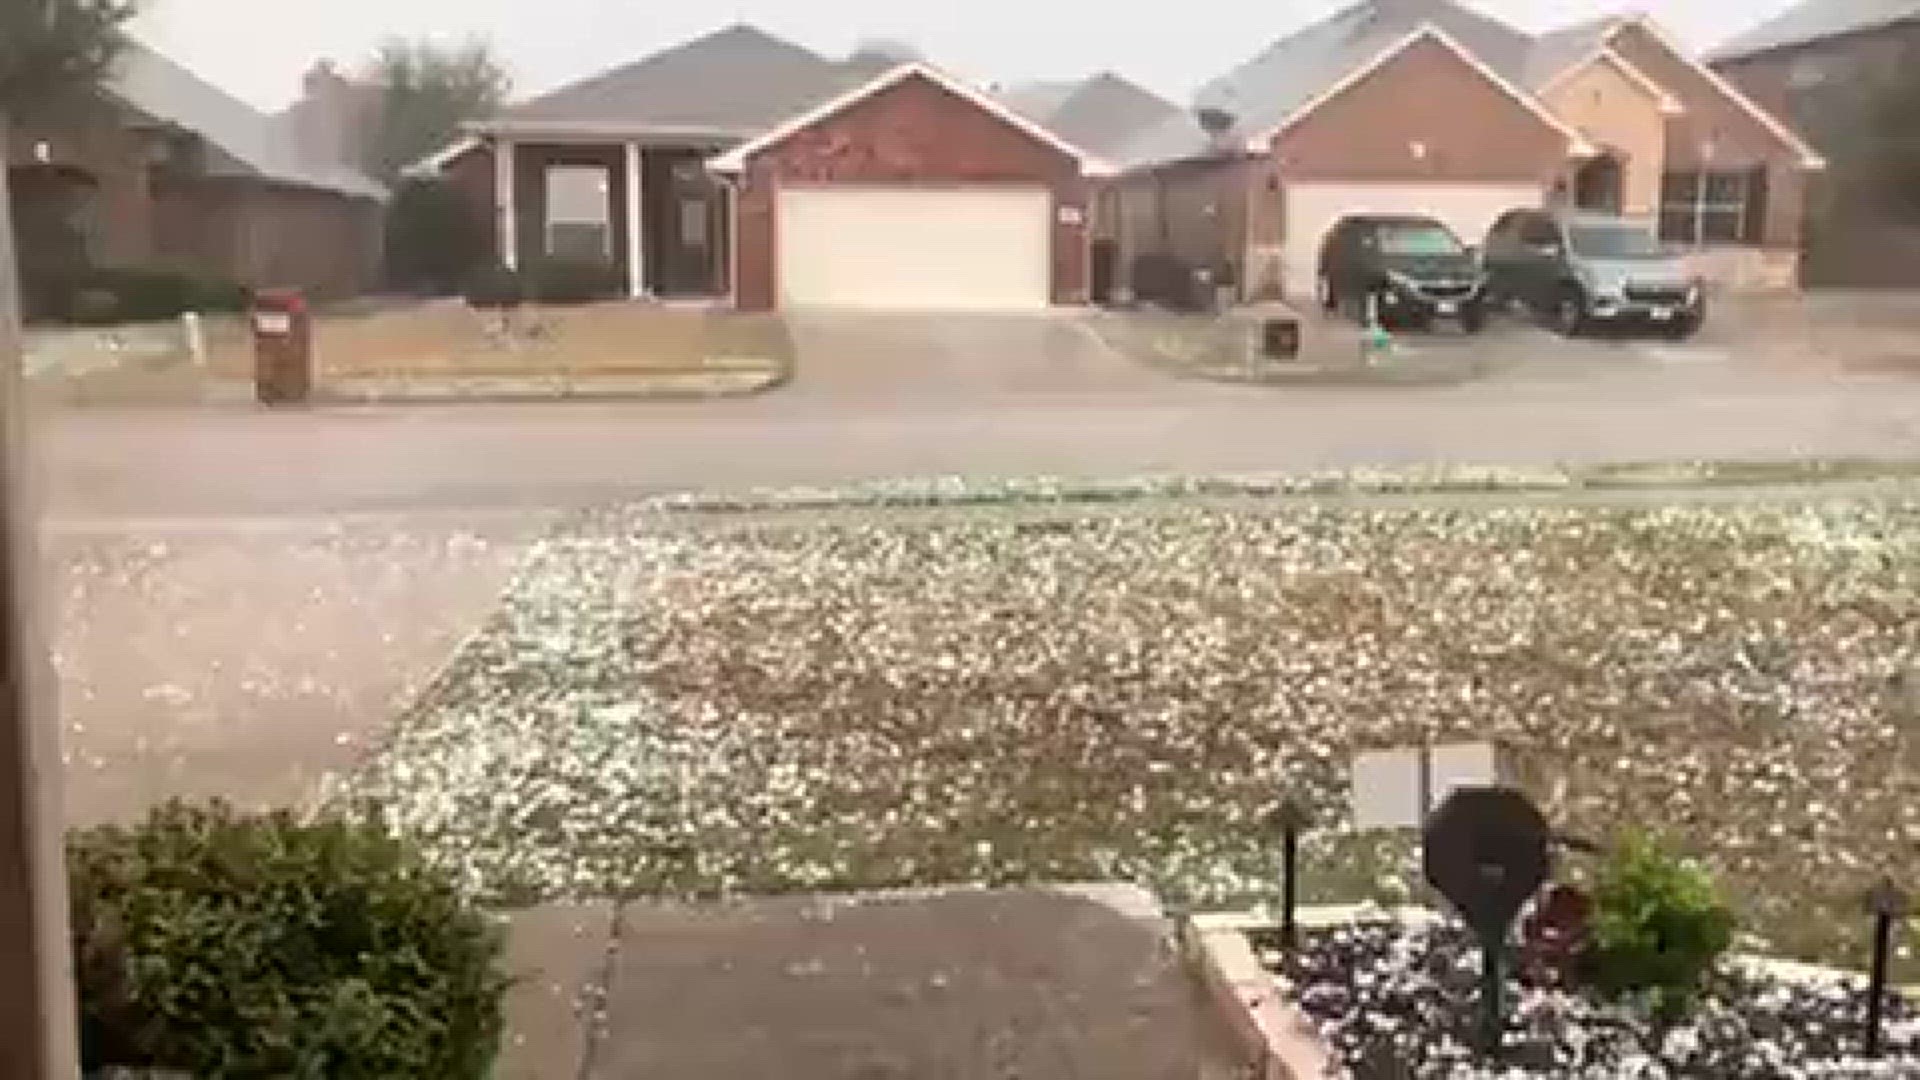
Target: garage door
(960, 248)
(1312, 209)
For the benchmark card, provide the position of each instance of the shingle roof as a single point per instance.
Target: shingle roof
(1038, 101)
(1261, 93)
(242, 141)
(1105, 112)
(1555, 52)
(1812, 20)
(738, 81)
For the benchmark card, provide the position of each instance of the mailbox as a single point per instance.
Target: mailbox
(1280, 338)
(282, 347)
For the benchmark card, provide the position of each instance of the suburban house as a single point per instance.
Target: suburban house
(1426, 106)
(172, 172)
(742, 166)
(1823, 66)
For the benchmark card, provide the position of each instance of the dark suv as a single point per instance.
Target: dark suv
(1578, 268)
(1411, 269)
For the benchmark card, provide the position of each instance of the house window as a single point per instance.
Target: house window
(1709, 207)
(579, 212)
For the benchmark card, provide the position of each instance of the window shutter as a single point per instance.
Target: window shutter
(1756, 217)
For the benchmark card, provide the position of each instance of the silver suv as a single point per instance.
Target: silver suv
(1576, 268)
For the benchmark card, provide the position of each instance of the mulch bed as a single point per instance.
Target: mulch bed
(1395, 1002)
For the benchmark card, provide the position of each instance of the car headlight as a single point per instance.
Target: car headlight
(1693, 294)
(1401, 280)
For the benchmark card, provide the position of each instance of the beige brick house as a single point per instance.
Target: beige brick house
(1425, 106)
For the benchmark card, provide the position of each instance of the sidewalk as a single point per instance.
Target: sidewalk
(961, 984)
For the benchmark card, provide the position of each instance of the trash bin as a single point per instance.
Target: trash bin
(282, 347)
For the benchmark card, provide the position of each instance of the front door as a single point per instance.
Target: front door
(1597, 186)
(686, 227)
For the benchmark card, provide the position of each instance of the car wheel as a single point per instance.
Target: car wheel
(1323, 291)
(1570, 312)
(1473, 320)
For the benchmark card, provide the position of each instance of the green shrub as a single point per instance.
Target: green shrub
(494, 286)
(437, 238)
(137, 294)
(235, 946)
(1658, 924)
(573, 281)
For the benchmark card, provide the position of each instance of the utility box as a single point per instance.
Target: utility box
(282, 347)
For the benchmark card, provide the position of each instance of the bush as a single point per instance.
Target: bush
(1658, 925)
(135, 294)
(494, 286)
(234, 946)
(436, 238)
(573, 281)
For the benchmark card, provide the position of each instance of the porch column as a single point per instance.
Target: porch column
(503, 176)
(636, 250)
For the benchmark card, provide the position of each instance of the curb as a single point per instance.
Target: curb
(1276, 1036)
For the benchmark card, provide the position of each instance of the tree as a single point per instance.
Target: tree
(55, 53)
(426, 92)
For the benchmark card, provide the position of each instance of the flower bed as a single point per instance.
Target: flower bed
(1394, 1001)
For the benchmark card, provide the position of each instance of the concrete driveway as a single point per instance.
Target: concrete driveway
(953, 357)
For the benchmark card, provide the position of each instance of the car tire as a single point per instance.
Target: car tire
(1324, 292)
(1569, 313)
(1474, 319)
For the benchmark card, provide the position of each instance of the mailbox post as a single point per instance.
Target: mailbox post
(282, 347)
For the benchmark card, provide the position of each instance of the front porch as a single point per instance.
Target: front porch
(649, 208)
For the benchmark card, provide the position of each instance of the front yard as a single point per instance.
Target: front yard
(760, 700)
(378, 350)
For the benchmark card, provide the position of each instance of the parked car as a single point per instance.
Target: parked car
(1411, 269)
(1576, 269)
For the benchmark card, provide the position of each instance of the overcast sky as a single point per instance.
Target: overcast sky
(251, 47)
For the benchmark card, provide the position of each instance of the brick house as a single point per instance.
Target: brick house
(1823, 66)
(740, 166)
(1424, 106)
(171, 172)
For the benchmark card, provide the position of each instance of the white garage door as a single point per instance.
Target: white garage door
(1468, 209)
(903, 248)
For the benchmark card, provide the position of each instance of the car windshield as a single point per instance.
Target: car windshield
(1418, 239)
(1615, 242)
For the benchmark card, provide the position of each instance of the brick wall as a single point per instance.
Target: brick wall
(1619, 115)
(1714, 132)
(913, 132)
(1828, 92)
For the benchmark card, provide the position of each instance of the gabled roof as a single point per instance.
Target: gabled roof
(1104, 112)
(1576, 143)
(1809, 157)
(1037, 100)
(1264, 92)
(1555, 52)
(1553, 71)
(736, 159)
(734, 82)
(1812, 20)
(242, 141)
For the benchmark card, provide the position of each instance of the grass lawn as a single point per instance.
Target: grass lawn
(694, 703)
(448, 339)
